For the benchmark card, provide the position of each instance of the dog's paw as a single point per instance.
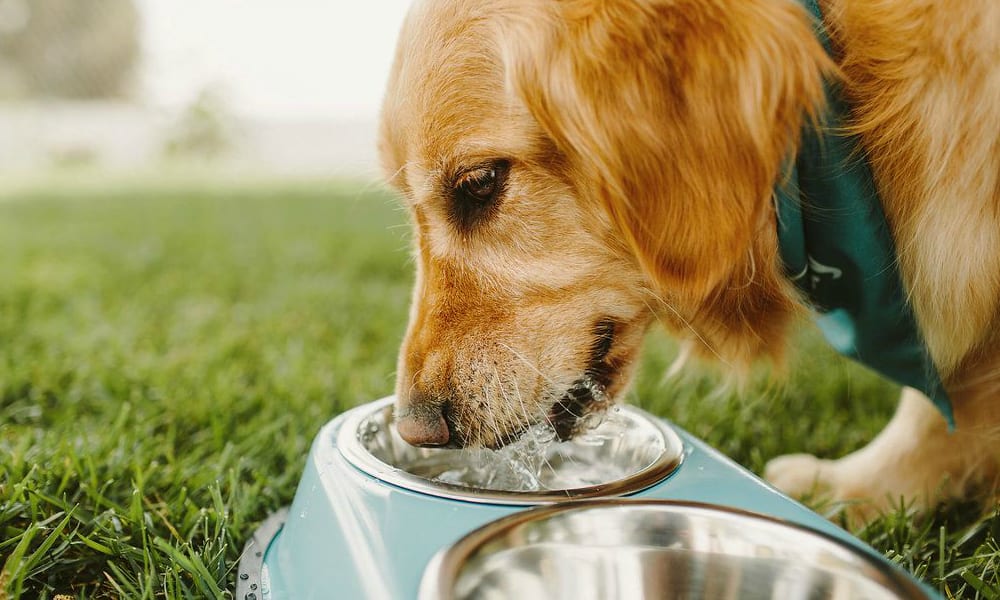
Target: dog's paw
(831, 487)
(800, 475)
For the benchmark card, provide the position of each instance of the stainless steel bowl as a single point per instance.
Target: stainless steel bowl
(609, 549)
(628, 451)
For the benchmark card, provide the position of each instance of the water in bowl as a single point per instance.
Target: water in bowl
(537, 461)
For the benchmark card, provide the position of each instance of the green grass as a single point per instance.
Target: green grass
(168, 351)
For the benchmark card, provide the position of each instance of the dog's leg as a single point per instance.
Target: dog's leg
(914, 458)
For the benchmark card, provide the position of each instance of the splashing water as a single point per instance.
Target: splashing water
(538, 461)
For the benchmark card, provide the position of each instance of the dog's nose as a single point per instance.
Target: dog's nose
(423, 426)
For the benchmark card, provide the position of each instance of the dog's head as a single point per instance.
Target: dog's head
(574, 170)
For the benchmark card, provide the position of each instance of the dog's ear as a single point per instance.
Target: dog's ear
(676, 116)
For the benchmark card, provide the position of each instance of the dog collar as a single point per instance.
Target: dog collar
(836, 247)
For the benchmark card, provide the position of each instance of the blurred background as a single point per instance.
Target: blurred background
(198, 269)
(257, 87)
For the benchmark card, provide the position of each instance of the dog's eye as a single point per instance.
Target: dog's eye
(476, 192)
(479, 184)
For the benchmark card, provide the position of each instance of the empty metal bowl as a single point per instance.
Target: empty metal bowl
(623, 548)
(627, 451)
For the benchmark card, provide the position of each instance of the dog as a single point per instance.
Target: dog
(578, 170)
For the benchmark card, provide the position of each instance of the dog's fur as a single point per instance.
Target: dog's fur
(642, 140)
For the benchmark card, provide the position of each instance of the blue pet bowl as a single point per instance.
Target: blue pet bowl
(376, 518)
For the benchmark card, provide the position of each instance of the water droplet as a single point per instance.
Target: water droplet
(244, 576)
(593, 420)
(546, 434)
(369, 432)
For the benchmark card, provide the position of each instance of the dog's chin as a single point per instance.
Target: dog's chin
(566, 417)
(510, 437)
(495, 441)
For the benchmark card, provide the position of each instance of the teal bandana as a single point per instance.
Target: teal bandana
(836, 247)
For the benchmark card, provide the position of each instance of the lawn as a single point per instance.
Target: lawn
(169, 349)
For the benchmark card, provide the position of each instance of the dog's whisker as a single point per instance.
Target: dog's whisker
(392, 178)
(527, 362)
(490, 418)
(662, 301)
(548, 422)
(413, 382)
(683, 356)
(503, 394)
(528, 421)
(520, 401)
(542, 453)
(753, 272)
(549, 380)
(530, 365)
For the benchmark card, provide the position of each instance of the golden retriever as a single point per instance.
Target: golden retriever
(578, 169)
